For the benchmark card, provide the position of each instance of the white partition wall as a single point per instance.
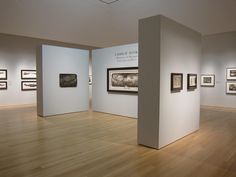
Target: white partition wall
(124, 104)
(167, 47)
(53, 99)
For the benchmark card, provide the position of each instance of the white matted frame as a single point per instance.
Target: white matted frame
(231, 73)
(28, 85)
(28, 74)
(208, 80)
(3, 74)
(231, 88)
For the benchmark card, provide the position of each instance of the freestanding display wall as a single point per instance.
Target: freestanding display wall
(119, 103)
(167, 48)
(53, 95)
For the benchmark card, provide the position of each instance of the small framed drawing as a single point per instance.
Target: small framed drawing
(207, 80)
(3, 74)
(231, 73)
(176, 82)
(28, 74)
(122, 79)
(68, 80)
(231, 87)
(28, 85)
(90, 79)
(192, 81)
(3, 85)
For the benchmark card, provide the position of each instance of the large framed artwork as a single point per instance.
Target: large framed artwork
(28, 74)
(176, 82)
(68, 80)
(3, 74)
(192, 81)
(207, 80)
(231, 87)
(231, 73)
(28, 85)
(3, 85)
(122, 79)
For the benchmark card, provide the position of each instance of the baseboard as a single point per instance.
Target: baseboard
(17, 106)
(218, 108)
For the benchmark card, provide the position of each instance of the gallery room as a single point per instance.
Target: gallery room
(117, 88)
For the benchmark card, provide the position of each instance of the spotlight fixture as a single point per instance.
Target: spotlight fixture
(108, 1)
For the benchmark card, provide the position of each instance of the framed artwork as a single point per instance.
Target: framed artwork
(231, 73)
(68, 80)
(3, 74)
(90, 79)
(28, 85)
(207, 80)
(122, 79)
(192, 81)
(231, 87)
(176, 82)
(28, 74)
(3, 85)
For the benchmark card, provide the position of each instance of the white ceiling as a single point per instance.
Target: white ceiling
(91, 22)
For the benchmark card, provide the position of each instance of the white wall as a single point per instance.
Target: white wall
(219, 53)
(167, 47)
(124, 104)
(54, 99)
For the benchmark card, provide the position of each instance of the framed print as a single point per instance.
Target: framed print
(68, 80)
(28, 74)
(3, 85)
(28, 85)
(122, 79)
(192, 81)
(207, 80)
(3, 74)
(90, 79)
(176, 81)
(231, 87)
(231, 73)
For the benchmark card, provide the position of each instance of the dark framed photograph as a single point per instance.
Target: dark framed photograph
(122, 79)
(68, 80)
(176, 82)
(231, 87)
(192, 81)
(207, 80)
(28, 85)
(90, 79)
(3, 85)
(28, 74)
(231, 73)
(3, 74)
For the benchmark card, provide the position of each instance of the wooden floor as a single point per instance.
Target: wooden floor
(101, 145)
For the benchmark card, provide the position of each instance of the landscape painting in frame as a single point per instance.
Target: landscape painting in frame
(28, 74)
(231, 73)
(176, 82)
(3, 74)
(207, 80)
(3, 85)
(122, 79)
(28, 85)
(231, 87)
(192, 81)
(68, 80)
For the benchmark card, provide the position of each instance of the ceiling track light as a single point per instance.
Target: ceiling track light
(108, 1)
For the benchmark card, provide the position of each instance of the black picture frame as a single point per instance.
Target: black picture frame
(191, 81)
(3, 85)
(28, 74)
(176, 82)
(67, 80)
(231, 74)
(128, 80)
(3, 74)
(207, 80)
(28, 85)
(231, 88)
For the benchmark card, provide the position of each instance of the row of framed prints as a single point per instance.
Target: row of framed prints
(177, 82)
(25, 85)
(28, 82)
(3, 79)
(25, 74)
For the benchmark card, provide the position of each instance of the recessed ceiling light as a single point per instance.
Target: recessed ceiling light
(108, 1)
